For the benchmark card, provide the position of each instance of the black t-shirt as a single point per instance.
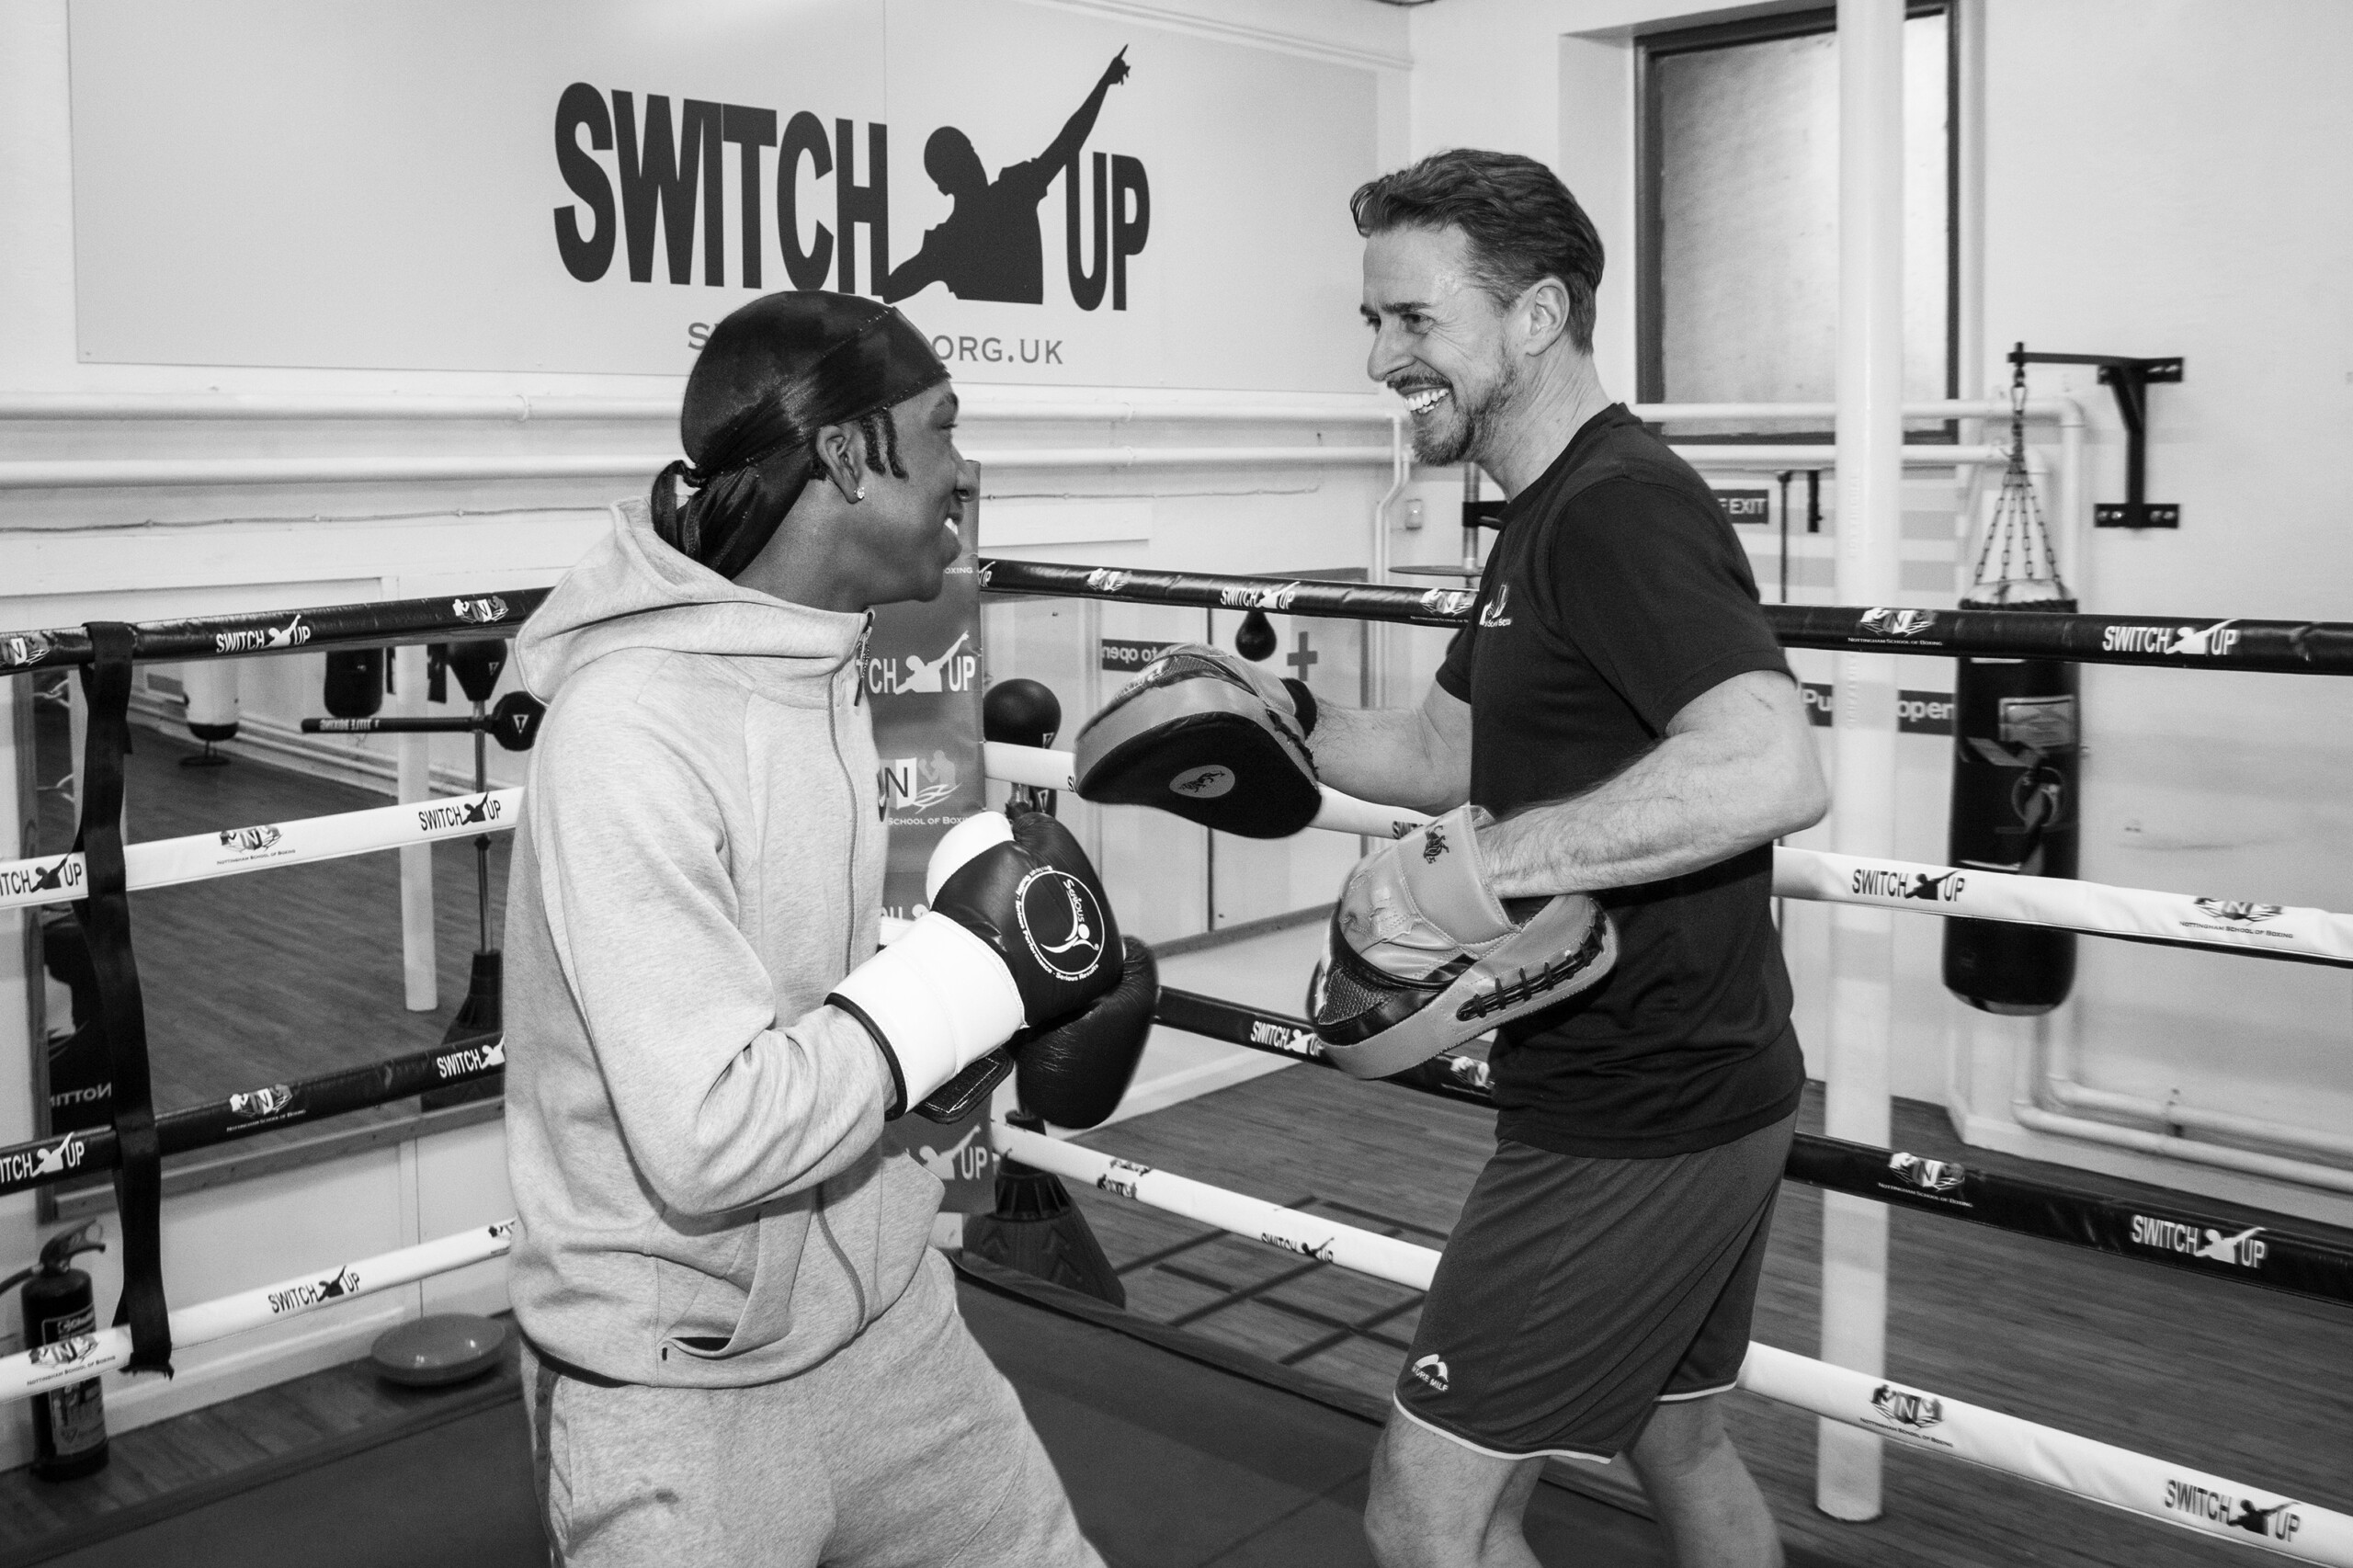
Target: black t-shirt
(1618, 593)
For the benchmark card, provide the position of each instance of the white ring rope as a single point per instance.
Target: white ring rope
(164, 862)
(86, 1355)
(2100, 1473)
(1912, 886)
(1915, 887)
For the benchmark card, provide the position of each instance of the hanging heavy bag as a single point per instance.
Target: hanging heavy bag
(355, 682)
(2015, 802)
(2014, 809)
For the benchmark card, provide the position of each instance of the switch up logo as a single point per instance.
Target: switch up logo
(639, 167)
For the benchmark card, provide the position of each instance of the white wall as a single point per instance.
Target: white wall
(2217, 227)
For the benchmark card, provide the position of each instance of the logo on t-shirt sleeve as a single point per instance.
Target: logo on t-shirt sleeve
(1498, 611)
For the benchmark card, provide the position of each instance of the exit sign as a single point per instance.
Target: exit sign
(1746, 506)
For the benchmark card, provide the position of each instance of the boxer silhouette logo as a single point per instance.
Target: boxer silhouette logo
(1885, 622)
(481, 611)
(1061, 922)
(1203, 783)
(990, 246)
(1905, 1407)
(248, 840)
(261, 1102)
(1929, 1175)
(2235, 909)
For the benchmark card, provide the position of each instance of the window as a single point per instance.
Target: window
(1737, 292)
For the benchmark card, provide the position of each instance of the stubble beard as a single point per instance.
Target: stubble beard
(1470, 437)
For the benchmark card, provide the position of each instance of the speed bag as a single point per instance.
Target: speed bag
(2015, 808)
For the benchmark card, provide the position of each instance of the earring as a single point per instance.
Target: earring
(858, 495)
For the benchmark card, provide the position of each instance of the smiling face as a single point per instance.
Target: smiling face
(1440, 341)
(905, 529)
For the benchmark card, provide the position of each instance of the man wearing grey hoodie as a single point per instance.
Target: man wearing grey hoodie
(739, 1347)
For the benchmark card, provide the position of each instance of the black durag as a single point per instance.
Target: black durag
(771, 375)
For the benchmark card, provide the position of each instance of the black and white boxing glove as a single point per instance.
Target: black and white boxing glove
(1018, 935)
(1421, 957)
(1210, 737)
(1075, 1073)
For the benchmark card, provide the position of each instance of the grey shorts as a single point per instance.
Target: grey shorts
(1576, 1293)
(905, 1447)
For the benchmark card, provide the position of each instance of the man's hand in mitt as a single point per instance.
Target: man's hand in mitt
(1210, 737)
(1421, 957)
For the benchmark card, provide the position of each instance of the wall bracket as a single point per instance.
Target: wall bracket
(2130, 378)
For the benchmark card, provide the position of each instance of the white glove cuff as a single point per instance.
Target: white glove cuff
(936, 1001)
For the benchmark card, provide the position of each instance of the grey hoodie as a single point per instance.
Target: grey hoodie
(690, 1131)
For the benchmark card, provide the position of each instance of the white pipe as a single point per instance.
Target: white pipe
(1770, 460)
(2170, 1114)
(90, 473)
(1870, 514)
(2220, 1156)
(420, 969)
(979, 402)
(1376, 633)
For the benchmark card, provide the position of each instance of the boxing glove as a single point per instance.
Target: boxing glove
(1019, 934)
(1210, 738)
(1421, 956)
(1075, 1073)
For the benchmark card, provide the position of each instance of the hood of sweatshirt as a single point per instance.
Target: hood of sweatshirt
(631, 591)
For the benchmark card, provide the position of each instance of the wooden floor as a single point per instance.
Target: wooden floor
(188, 1457)
(2244, 1383)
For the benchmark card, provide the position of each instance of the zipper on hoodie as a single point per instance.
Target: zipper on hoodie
(856, 662)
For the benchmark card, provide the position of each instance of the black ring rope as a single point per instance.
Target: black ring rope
(2182, 642)
(46, 1162)
(2216, 1247)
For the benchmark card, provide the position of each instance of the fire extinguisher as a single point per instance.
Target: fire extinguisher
(69, 1424)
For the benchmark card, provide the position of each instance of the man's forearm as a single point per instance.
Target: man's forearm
(1689, 804)
(1382, 755)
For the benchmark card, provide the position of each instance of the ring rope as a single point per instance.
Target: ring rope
(228, 852)
(2167, 1233)
(2141, 915)
(83, 1355)
(2100, 1473)
(2192, 643)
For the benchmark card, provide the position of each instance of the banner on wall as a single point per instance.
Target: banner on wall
(921, 670)
(1052, 197)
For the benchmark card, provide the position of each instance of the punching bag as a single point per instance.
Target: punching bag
(2014, 809)
(355, 684)
(2016, 723)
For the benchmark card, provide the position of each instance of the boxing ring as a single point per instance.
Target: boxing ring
(2148, 1486)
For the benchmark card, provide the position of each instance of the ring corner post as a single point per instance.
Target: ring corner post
(1870, 478)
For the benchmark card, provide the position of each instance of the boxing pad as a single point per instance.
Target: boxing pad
(1076, 1072)
(1202, 734)
(1421, 956)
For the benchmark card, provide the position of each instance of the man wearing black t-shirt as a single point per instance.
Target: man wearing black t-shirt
(1620, 705)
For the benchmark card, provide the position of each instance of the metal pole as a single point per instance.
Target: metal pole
(1871, 508)
(413, 776)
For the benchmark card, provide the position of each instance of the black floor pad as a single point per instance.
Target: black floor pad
(1178, 1454)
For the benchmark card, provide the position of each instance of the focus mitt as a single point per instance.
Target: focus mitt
(1421, 957)
(1204, 736)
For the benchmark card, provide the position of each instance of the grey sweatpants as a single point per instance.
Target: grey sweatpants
(905, 1448)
